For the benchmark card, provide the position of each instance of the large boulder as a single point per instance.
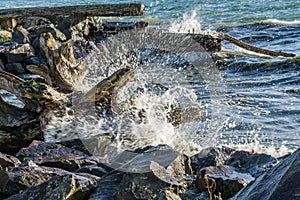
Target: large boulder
(8, 161)
(150, 171)
(107, 187)
(222, 179)
(281, 182)
(21, 178)
(56, 155)
(19, 53)
(211, 156)
(255, 164)
(12, 139)
(69, 186)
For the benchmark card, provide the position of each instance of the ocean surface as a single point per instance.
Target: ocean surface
(254, 103)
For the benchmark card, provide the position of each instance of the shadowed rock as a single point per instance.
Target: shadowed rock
(255, 164)
(69, 186)
(55, 155)
(22, 178)
(211, 156)
(223, 179)
(280, 182)
(7, 161)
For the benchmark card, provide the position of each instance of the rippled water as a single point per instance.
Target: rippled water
(256, 99)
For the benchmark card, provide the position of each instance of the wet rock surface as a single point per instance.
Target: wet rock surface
(280, 182)
(56, 155)
(53, 171)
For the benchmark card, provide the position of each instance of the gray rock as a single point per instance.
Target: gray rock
(2, 65)
(194, 194)
(107, 187)
(152, 170)
(56, 155)
(280, 182)
(12, 139)
(225, 179)
(211, 156)
(22, 178)
(11, 115)
(14, 68)
(255, 164)
(20, 35)
(8, 160)
(99, 169)
(167, 195)
(69, 186)
(32, 61)
(36, 31)
(19, 53)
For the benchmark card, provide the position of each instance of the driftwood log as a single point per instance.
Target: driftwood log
(253, 48)
(87, 10)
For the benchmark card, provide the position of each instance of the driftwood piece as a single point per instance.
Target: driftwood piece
(253, 48)
(87, 10)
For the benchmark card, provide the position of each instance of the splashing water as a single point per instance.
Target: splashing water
(190, 23)
(169, 70)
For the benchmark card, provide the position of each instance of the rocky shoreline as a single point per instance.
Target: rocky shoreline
(39, 52)
(53, 171)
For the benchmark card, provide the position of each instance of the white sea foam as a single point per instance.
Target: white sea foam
(281, 22)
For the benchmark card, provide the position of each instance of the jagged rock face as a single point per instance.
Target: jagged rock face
(222, 179)
(55, 155)
(150, 171)
(70, 186)
(21, 178)
(280, 182)
(8, 160)
(255, 164)
(211, 156)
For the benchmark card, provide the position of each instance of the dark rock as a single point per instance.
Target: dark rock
(139, 161)
(211, 156)
(20, 35)
(280, 182)
(107, 187)
(32, 61)
(224, 179)
(19, 53)
(99, 169)
(67, 24)
(2, 65)
(167, 195)
(8, 160)
(22, 178)
(56, 155)
(69, 186)
(12, 139)
(15, 68)
(11, 115)
(255, 164)
(42, 71)
(46, 28)
(122, 26)
(151, 170)
(76, 144)
(29, 22)
(194, 194)
(32, 77)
